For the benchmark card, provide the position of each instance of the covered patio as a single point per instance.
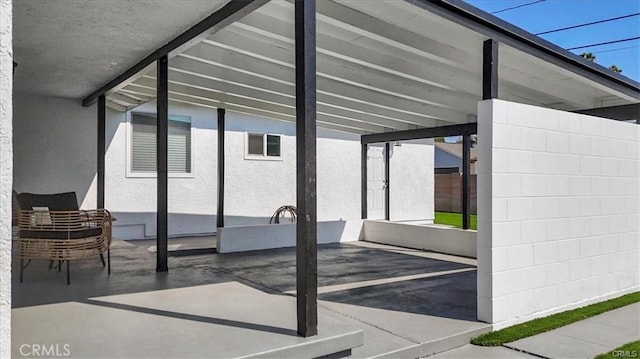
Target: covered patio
(402, 302)
(385, 71)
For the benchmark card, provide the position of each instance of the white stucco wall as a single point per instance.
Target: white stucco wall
(55, 147)
(192, 200)
(6, 173)
(59, 155)
(411, 181)
(559, 198)
(254, 189)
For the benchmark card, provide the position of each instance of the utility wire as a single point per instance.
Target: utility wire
(587, 24)
(618, 49)
(605, 43)
(519, 6)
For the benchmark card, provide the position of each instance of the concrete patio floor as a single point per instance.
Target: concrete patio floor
(408, 303)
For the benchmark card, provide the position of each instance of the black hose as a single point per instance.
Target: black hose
(283, 211)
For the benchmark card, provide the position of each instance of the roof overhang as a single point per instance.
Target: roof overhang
(382, 66)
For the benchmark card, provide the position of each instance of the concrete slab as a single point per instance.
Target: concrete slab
(407, 302)
(220, 320)
(586, 338)
(473, 351)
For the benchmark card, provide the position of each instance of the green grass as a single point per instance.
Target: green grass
(454, 219)
(629, 350)
(554, 321)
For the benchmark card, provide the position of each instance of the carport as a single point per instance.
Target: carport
(387, 70)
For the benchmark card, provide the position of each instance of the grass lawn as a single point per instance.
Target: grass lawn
(554, 321)
(454, 219)
(629, 350)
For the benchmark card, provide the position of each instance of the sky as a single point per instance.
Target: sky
(554, 14)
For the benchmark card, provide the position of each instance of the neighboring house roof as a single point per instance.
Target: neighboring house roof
(455, 149)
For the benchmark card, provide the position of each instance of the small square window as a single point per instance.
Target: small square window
(256, 144)
(263, 146)
(273, 146)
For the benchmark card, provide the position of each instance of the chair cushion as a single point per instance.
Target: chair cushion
(91, 232)
(55, 202)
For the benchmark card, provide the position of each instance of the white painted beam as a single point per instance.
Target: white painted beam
(339, 70)
(364, 101)
(236, 61)
(147, 86)
(331, 13)
(399, 62)
(224, 89)
(114, 106)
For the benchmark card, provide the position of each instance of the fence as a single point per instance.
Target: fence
(448, 193)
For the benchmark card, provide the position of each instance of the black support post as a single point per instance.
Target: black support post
(363, 180)
(101, 149)
(162, 163)
(387, 171)
(221, 123)
(490, 69)
(466, 168)
(306, 227)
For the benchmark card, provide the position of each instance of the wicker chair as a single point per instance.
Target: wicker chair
(51, 227)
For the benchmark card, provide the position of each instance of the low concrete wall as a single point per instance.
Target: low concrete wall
(438, 239)
(250, 238)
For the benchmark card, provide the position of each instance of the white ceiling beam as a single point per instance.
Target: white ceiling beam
(220, 88)
(123, 99)
(364, 101)
(234, 60)
(114, 106)
(400, 63)
(149, 85)
(341, 71)
(331, 13)
(210, 103)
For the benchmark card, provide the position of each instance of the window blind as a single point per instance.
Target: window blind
(143, 144)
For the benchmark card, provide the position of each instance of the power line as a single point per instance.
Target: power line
(588, 24)
(618, 49)
(605, 43)
(519, 6)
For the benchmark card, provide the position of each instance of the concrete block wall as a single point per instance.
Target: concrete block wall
(6, 173)
(559, 202)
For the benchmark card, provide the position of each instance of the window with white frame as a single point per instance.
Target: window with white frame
(263, 146)
(143, 143)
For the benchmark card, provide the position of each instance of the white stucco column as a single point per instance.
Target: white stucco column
(6, 174)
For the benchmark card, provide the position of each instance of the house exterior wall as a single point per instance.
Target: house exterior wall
(559, 198)
(445, 159)
(59, 155)
(6, 173)
(55, 147)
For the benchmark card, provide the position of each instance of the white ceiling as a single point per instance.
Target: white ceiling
(70, 48)
(381, 65)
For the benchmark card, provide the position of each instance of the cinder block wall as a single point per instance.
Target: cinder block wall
(559, 199)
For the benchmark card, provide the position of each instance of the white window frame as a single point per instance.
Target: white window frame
(129, 150)
(264, 156)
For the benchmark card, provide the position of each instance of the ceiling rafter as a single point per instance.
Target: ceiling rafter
(349, 73)
(281, 73)
(206, 94)
(211, 103)
(218, 87)
(329, 12)
(227, 96)
(364, 101)
(404, 64)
